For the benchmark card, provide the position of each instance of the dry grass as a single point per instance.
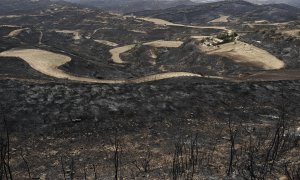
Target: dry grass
(162, 22)
(221, 19)
(43, 61)
(241, 52)
(157, 21)
(162, 43)
(119, 50)
(108, 43)
(48, 63)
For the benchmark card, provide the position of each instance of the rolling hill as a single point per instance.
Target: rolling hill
(89, 94)
(295, 3)
(126, 6)
(237, 10)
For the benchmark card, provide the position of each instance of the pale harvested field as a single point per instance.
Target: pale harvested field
(159, 43)
(221, 19)
(108, 43)
(241, 52)
(119, 50)
(167, 23)
(162, 43)
(157, 21)
(42, 61)
(48, 63)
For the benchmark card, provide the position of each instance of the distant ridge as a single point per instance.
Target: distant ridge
(295, 3)
(125, 6)
(235, 9)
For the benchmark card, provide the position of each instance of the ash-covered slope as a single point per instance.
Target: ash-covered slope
(237, 10)
(20, 7)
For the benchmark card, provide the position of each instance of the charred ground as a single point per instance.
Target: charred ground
(189, 128)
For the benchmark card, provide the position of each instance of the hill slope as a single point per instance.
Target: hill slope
(295, 3)
(236, 10)
(21, 6)
(127, 6)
